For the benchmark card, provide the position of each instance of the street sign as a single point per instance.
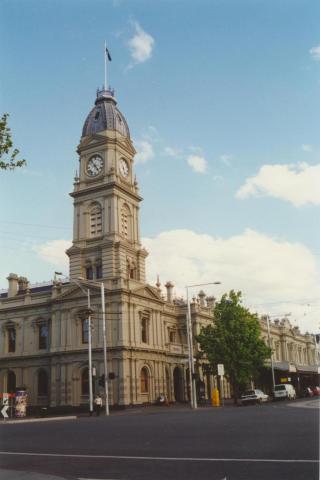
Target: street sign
(5, 405)
(220, 369)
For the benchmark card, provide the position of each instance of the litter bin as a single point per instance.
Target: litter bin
(215, 400)
(43, 411)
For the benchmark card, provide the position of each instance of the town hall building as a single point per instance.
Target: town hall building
(44, 329)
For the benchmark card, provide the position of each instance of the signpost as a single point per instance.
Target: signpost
(5, 405)
(221, 374)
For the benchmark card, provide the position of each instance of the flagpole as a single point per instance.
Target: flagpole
(105, 66)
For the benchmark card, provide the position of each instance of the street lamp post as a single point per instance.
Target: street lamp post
(106, 393)
(106, 389)
(192, 380)
(90, 354)
(87, 293)
(271, 354)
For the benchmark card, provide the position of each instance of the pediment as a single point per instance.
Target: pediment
(147, 292)
(71, 292)
(92, 140)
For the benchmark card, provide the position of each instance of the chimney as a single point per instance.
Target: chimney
(201, 296)
(211, 302)
(169, 286)
(13, 285)
(23, 283)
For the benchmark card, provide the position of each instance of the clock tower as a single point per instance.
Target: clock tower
(106, 237)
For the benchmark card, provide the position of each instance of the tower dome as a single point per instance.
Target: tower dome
(105, 116)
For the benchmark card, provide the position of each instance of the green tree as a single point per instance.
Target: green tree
(9, 162)
(233, 339)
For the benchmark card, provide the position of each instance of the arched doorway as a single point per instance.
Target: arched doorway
(178, 385)
(11, 382)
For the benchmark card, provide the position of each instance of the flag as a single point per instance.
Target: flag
(108, 54)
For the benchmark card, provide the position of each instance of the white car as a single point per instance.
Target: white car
(284, 390)
(254, 396)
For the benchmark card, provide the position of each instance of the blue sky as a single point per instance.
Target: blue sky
(222, 101)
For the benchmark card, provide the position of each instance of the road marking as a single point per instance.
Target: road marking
(306, 404)
(170, 459)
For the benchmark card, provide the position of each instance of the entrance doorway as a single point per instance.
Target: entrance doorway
(178, 385)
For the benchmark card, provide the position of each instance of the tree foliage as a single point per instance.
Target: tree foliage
(9, 162)
(234, 340)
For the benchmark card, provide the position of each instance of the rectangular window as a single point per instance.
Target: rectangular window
(172, 336)
(89, 273)
(144, 330)
(85, 331)
(11, 339)
(99, 271)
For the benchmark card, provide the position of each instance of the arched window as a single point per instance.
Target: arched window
(85, 381)
(133, 272)
(11, 339)
(125, 222)
(43, 383)
(144, 330)
(85, 330)
(98, 270)
(89, 272)
(144, 380)
(11, 382)
(131, 269)
(43, 336)
(95, 220)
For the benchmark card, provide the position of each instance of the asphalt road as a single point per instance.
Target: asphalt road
(275, 441)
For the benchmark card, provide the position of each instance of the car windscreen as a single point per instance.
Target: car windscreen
(278, 388)
(249, 392)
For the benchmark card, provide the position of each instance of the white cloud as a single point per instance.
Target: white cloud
(54, 252)
(315, 52)
(297, 184)
(144, 151)
(306, 148)
(172, 152)
(140, 45)
(196, 149)
(275, 276)
(197, 163)
(151, 133)
(226, 159)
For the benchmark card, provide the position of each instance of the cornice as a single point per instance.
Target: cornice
(108, 189)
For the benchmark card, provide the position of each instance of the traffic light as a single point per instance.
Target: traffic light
(101, 380)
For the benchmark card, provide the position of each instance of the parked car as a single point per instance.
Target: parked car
(253, 396)
(315, 390)
(284, 390)
(309, 392)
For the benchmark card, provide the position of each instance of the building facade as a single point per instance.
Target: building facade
(295, 355)
(44, 328)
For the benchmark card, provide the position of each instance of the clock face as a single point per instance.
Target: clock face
(94, 166)
(123, 167)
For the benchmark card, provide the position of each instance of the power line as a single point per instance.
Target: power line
(35, 225)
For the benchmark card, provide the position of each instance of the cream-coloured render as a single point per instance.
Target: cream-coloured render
(289, 344)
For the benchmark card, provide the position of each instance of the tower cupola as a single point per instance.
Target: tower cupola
(105, 116)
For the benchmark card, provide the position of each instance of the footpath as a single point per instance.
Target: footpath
(134, 410)
(23, 475)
